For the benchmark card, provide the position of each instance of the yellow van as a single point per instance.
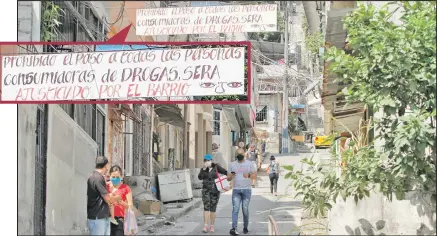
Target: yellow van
(322, 141)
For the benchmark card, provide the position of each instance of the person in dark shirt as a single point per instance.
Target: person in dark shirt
(98, 199)
(210, 193)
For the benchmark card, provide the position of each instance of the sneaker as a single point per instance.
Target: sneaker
(114, 221)
(205, 229)
(245, 231)
(234, 232)
(211, 228)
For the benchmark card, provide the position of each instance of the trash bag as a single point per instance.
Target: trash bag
(137, 212)
(130, 223)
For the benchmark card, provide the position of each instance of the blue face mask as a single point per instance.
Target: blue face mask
(115, 181)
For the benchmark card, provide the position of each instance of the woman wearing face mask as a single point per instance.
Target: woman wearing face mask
(118, 209)
(210, 193)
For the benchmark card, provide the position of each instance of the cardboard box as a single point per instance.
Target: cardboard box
(149, 207)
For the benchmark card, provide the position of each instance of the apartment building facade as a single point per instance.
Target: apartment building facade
(58, 143)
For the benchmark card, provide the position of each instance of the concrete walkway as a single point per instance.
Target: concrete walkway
(285, 210)
(149, 224)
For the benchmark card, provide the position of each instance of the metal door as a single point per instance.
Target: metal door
(39, 215)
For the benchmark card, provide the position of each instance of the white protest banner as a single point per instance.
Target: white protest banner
(123, 74)
(207, 20)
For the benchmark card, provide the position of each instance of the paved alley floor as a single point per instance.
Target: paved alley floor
(284, 209)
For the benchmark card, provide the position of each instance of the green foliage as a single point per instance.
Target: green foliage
(307, 185)
(313, 42)
(292, 124)
(50, 20)
(391, 68)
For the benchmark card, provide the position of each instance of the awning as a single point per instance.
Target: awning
(245, 111)
(260, 134)
(310, 87)
(297, 106)
(124, 109)
(170, 114)
(232, 120)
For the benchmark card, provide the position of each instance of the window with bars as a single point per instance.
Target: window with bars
(72, 21)
(85, 116)
(261, 114)
(216, 123)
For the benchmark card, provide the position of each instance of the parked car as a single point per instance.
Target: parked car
(322, 141)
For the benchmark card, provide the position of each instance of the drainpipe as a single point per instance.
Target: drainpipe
(185, 140)
(152, 116)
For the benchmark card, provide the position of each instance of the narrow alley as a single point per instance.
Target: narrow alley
(150, 96)
(284, 208)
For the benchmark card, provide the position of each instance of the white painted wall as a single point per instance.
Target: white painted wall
(413, 216)
(273, 112)
(68, 168)
(274, 106)
(224, 139)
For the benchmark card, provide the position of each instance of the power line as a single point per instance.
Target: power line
(120, 14)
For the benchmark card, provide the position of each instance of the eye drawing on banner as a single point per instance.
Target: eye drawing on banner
(207, 85)
(235, 84)
(220, 88)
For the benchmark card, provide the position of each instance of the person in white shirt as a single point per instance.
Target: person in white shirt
(242, 172)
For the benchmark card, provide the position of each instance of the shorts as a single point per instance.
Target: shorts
(210, 199)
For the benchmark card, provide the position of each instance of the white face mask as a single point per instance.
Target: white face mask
(273, 161)
(208, 163)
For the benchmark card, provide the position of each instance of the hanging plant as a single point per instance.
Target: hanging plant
(51, 14)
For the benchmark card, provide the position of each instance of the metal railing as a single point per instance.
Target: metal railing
(273, 227)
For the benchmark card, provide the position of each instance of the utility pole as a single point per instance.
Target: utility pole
(285, 138)
(306, 96)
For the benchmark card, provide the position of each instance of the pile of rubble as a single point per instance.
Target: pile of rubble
(196, 184)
